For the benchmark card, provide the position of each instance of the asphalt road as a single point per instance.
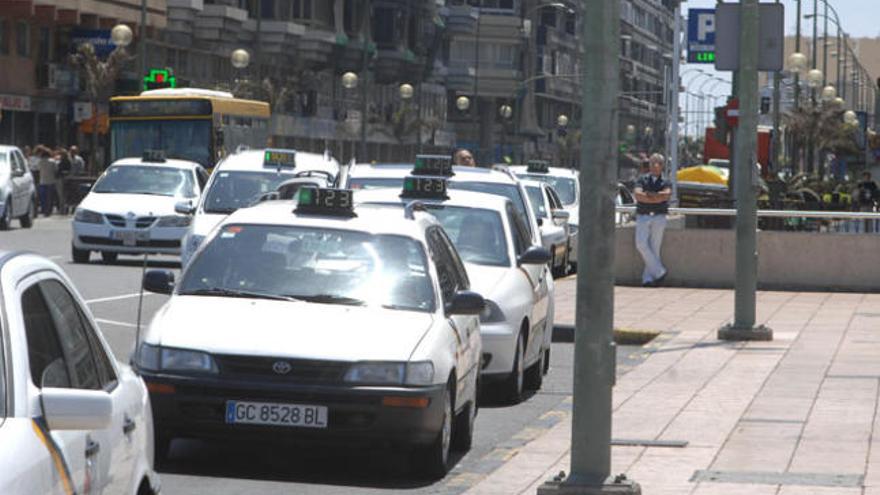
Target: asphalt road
(238, 468)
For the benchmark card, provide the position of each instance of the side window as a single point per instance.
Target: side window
(17, 163)
(445, 272)
(462, 280)
(555, 203)
(72, 334)
(521, 239)
(202, 178)
(48, 368)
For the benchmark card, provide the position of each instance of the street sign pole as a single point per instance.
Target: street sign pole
(743, 326)
(674, 89)
(594, 352)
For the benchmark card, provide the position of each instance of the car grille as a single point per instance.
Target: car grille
(300, 370)
(139, 222)
(103, 241)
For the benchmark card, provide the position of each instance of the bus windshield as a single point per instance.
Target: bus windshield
(182, 139)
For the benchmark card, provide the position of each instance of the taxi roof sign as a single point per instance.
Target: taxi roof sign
(324, 201)
(440, 165)
(155, 156)
(538, 166)
(424, 187)
(279, 158)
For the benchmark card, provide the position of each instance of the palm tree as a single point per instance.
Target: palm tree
(100, 77)
(823, 127)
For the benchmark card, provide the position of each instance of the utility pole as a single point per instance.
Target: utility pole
(142, 45)
(675, 86)
(795, 151)
(365, 75)
(777, 139)
(746, 284)
(594, 351)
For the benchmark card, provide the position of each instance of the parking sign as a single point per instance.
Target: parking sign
(701, 36)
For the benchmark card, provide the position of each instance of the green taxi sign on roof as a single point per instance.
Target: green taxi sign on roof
(279, 158)
(538, 166)
(321, 201)
(424, 187)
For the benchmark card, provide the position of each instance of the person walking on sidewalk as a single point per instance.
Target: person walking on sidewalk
(48, 170)
(652, 193)
(867, 195)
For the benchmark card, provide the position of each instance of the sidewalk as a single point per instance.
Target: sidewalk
(793, 416)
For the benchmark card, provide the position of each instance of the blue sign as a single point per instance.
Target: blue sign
(701, 36)
(99, 38)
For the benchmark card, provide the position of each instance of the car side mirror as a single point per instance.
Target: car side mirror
(466, 302)
(535, 255)
(561, 215)
(76, 409)
(159, 281)
(184, 208)
(85, 188)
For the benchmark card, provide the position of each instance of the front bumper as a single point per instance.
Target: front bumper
(100, 237)
(197, 409)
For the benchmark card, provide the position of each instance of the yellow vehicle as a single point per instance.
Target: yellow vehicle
(186, 123)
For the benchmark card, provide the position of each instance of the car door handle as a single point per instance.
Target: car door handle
(92, 448)
(128, 425)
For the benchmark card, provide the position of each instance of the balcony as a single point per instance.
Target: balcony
(462, 20)
(395, 64)
(317, 46)
(219, 25)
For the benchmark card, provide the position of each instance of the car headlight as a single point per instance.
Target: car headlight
(157, 358)
(174, 221)
(88, 216)
(491, 313)
(391, 373)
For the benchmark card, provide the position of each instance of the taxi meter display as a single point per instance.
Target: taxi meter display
(326, 201)
(433, 165)
(538, 166)
(424, 187)
(279, 158)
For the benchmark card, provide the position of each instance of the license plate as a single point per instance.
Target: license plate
(267, 413)
(130, 237)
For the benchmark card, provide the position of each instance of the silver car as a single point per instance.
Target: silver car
(18, 195)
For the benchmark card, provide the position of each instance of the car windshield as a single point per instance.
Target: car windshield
(144, 179)
(233, 190)
(536, 199)
(313, 264)
(565, 187)
(375, 182)
(477, 233)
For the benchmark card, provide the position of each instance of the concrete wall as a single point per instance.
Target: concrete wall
(786, 260)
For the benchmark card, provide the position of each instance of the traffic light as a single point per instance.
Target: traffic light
(765, 105)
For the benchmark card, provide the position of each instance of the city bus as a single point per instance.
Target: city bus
(186, 123)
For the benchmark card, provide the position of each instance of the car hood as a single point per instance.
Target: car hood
(487, 280)
(122, 204)
(204, 223)
(258, 327)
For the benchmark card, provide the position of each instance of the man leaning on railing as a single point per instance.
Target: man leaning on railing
(652, 193)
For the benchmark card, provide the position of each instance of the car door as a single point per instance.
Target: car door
(20, 185)
(464, 326)
(537, 276)
(91, 368)
(558, 229)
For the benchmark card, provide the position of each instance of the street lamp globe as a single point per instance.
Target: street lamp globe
(797, 62)
(349, 80)
(506, 111)
(649, 130)
(462, 103)
(562, 120)
(850, 117)
(814, 78)
(630, 129)
(121, 35)
(829, 93)
(240, 58)
(838, 101)
(406, 91)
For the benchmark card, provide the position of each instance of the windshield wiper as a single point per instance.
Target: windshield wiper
(221, 292)
(148, 193)
(330, 299)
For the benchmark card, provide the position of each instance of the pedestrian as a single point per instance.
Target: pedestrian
(866, 197)
(62, 157)
(652, 193)
(77, 163)
(47, 168)
(463, 157)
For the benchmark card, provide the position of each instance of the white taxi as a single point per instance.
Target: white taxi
(72, 419)
(131, 208)
(553, 223)
(242, 178)
(505, 267)
(317, 321)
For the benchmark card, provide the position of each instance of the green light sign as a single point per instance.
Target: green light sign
(701, 57)
(160, 78)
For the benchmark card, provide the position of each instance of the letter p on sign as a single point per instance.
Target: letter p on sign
(705, 26)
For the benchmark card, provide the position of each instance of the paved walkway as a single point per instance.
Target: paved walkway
(793, 416)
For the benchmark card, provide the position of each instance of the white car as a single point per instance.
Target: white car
(18, 195)
(242, 178)
(131, 208)
(316, 321)
(553, 223)
(72, 419)
(505, 267)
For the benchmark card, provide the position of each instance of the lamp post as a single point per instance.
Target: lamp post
(142, 42)
(687, 103)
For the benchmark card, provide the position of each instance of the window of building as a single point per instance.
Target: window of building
(22, 35)
(570, 23)
(44, 45)
(384, 25)
(4, 37)
(302, 9)
(548, 16)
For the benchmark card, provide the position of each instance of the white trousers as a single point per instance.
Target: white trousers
(649, 239)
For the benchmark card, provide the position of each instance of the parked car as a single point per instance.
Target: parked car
(18, 194)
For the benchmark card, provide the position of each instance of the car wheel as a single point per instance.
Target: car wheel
(6, 219)
(109, 257)
(433, 461)
(535, 374)
(79, 255)
(547, 361)
(515, 382)
(27, 220)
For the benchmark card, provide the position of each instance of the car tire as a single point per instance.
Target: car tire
(535, 373)
(546, 360)
(6, 219)
(432, 461)
(161, 449)
(109, 257)
(515, 383)
(79, 255)
(27, 220)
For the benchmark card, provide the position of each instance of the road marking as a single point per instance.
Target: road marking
(116, 298)
(117, 323)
